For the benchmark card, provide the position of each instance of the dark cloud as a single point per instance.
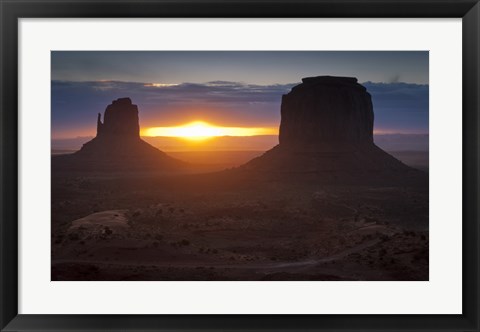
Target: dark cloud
(398, 106)
(75, 104)
(259, 67)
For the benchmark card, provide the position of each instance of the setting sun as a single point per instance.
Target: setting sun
(199, 130)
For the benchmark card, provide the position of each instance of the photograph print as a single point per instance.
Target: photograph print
(239, 165)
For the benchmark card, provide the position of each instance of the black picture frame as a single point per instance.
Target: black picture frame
(12, 10)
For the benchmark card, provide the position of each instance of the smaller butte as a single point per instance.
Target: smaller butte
(118, 146)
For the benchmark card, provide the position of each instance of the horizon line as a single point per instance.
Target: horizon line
(178, 137)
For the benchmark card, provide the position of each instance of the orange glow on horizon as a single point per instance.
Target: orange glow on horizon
(200, 130)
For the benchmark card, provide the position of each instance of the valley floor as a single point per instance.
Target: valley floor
(211, 227)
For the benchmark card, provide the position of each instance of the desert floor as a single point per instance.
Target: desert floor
(154, 226)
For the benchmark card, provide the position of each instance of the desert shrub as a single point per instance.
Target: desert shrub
(73, 236)
(185, 242)
(356, 217)
(93, 268)
(108, 231)
(159, 237)
(156, 244)
(371, 219)
(136, 213)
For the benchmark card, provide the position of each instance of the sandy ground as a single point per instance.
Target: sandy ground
(203, 227)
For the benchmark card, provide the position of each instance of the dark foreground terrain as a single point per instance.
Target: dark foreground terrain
(123, 226)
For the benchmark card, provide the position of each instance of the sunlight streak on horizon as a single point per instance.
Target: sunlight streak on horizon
(199, 130)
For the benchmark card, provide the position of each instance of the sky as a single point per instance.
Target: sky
(228, 89)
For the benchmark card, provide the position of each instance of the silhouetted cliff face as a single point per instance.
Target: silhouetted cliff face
(120, 119)
(117, 146)
(119, 134)
(326, 134)
(326, 109)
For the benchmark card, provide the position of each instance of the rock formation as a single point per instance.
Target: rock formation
(121, 120)
(117, 145)
(326, 133)
(326, 109)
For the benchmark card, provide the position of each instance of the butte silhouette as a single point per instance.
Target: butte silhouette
(326, 133)
(117, 145)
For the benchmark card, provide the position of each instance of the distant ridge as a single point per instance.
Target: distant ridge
(387, 142)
